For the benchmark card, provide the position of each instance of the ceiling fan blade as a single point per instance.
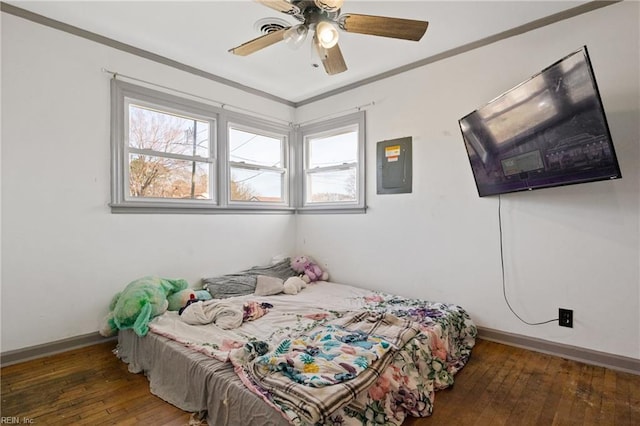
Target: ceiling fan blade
(332, 60)
(259, 43)
(406, 29)
(281, 6)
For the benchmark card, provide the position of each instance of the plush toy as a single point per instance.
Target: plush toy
(203, 295)
(308, 269)
(293, 285)
(179, 299)
(140, 301)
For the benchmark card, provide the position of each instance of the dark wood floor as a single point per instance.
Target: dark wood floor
(504, 385)
(499, 385)
(87, 386)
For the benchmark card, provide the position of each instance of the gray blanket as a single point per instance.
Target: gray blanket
(244, 282)
(195, 382)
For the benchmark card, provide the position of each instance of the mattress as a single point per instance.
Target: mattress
(188, 366)
(195, 382)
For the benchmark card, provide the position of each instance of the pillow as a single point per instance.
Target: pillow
(281, 269)
(244, 282)
(229, 285)
(268, 286)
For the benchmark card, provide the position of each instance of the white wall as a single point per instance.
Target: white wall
(575, 247)
(64, 255)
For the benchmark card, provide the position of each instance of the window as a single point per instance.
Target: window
(257, 166)
(166, 156)
(333, 165)
(174, 155)
(169, 155)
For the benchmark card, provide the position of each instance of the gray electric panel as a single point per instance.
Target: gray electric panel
(394, 172)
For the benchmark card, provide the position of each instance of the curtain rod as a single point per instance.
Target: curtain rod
(225, 105)
(335, 114)
(222, 105)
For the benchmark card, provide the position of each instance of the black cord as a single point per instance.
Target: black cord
(504, 290)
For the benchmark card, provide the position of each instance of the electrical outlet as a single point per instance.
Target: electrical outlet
(565, 318)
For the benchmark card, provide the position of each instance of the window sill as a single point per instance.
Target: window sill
(331, 210)
(160, 208)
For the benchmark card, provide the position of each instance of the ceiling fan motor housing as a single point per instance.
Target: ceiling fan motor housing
(311, 14)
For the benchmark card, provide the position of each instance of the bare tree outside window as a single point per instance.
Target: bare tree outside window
(241, 191)
(164, 150)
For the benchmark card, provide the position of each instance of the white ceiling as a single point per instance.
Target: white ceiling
(200, 33)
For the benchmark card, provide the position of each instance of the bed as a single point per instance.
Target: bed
(332, 354)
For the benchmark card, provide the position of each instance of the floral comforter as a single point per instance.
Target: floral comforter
(425, 364)
(345, 358)
(442, 344)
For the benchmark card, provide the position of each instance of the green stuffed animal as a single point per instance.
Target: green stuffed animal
(138, 303)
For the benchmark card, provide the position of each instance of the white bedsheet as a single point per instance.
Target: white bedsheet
(299, 312)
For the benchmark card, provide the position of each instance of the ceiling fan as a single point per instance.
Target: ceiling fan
(322, 17)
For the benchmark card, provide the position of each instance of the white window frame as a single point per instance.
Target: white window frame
(123, 94)
(326, 129)
(210, 160)
(264, 129)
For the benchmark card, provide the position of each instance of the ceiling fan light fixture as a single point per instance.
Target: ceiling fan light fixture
(330, 5)
(327, 34)
(296, 35)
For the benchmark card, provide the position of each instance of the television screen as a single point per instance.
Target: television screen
(548, 131)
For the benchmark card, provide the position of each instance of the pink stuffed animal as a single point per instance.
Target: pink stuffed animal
(309, 270)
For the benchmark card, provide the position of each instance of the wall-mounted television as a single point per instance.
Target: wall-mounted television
(548, 131)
